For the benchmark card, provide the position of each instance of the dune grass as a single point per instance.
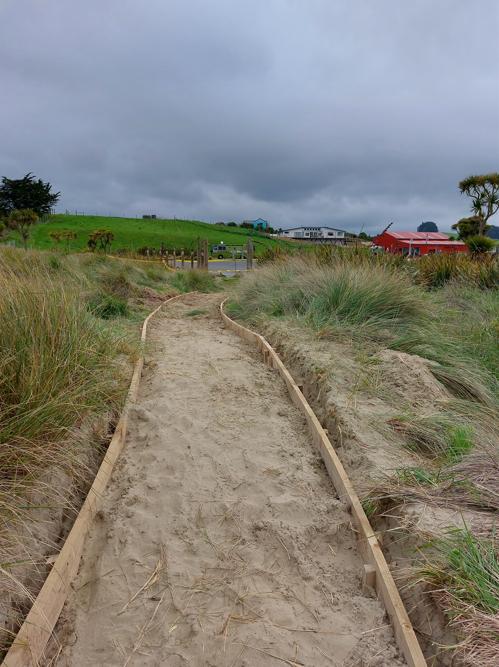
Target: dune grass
(447, 313)
(57, 366)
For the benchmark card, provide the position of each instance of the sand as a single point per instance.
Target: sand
(221, 541)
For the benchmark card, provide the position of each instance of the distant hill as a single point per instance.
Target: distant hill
(428, 227)
(131, 233)
(493, 232)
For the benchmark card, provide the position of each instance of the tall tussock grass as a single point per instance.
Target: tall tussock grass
(57, 366)
(378, 304)
(364, 300)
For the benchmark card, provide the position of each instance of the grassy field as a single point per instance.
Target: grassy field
(130, 234)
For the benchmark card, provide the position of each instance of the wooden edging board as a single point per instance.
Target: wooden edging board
(370, 549)
(30, 642)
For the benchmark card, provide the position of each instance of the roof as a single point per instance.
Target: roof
(418, 236)
(291, 229)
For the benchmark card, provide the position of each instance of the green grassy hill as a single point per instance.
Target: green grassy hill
(130, 234)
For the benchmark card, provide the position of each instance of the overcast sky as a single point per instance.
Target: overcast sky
(351, 113)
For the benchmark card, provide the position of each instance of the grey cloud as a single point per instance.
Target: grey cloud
(337, 112)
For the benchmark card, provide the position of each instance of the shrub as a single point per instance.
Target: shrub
(107, 306)
(479, 244)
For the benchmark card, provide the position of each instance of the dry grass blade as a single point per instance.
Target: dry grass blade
(143, 631)
(287, 661)
(151, 580)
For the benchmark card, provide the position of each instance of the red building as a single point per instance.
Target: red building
(418, 243)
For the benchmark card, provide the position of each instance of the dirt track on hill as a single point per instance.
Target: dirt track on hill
(221, 541)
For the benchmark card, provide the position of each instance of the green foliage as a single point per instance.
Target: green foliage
(434, 271)
(469, 227)
(417, 476)
(467, 568)
(191, 281)
(460, 443)
(108, 306)
(195, 312)
(21, 221)
(27, 193)
(484, 193)
(479, 244)
(56, 366)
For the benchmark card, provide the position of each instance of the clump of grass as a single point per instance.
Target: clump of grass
(368, 301)
(463, 571)
(107, 306)
(56, 365)
(434, 271)
(193, 281)
(195, 312)
(437, 435)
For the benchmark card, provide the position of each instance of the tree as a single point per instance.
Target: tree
(469, 227)
(479, 244)
(428, 227)
(484, 193)
(27, 193)
(101, 239)
(21, 222)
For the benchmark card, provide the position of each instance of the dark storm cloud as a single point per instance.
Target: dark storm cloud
(347, 113)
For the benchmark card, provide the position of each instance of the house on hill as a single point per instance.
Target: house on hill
(417, 243)
(259, 224)
(317, 234)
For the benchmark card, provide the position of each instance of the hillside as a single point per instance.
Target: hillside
(132, 233)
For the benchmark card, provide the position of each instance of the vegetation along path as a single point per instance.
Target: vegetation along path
(221, 540)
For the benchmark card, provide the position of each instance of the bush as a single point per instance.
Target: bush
(479, 244)
(107, 306)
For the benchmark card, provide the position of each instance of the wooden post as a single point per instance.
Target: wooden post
(182, 258)
(205, 254)
(249, 255)
(174, 258)
(192, 259)
(166, 257)
(199, 255)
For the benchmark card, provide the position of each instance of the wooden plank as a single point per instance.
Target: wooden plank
(29, 645)
(369, 546)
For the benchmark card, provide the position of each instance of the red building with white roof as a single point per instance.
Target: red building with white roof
(418, 243)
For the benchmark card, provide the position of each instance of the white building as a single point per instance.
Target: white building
(320, 234)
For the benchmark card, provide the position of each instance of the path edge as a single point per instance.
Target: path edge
(369, 545)
(31, 640)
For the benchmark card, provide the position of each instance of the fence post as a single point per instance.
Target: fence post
(205, 254)
(182, 258)
(174, 258)
(192, 259)
(199, 255)
(249, 255)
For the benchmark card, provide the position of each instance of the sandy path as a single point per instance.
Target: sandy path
(221, 541)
